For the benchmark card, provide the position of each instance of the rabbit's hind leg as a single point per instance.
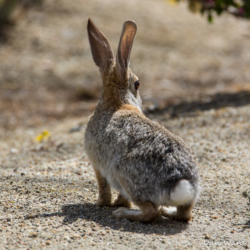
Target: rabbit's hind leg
(104, 198)
(182, 213)
(122, 201)
(148, 212)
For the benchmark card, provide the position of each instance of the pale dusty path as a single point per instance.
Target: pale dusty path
(48, 191)
(47, 79)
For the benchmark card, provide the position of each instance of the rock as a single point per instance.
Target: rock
(34, 235)
(207, 236)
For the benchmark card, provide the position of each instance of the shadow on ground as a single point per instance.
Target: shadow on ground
(102, 216)
(217, 101)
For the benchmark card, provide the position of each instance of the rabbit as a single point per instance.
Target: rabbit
(148, 165)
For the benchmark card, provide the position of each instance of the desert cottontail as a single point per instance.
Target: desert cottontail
(141, 159)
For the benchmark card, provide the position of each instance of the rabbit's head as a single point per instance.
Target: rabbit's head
(120, 84)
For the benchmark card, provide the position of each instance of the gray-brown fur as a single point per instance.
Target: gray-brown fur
(104, 198)
(136, 156)
(122, 201)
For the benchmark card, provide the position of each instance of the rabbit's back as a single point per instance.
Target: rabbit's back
(131, 150)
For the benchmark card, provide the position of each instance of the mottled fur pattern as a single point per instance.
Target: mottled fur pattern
(129, 152)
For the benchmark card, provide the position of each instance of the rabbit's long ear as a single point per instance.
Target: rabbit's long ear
(101, 50)
(125, 45)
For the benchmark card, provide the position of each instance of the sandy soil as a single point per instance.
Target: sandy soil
(195, 81)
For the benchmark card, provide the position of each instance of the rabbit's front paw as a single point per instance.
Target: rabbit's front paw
(103, 202)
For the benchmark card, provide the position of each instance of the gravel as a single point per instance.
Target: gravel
(48, 192)
(195, 81)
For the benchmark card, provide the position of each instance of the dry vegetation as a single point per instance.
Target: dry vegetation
(46, 65)
(195, 80)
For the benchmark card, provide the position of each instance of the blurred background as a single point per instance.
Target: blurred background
(47, 71)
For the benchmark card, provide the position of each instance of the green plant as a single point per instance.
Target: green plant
(246, 194)
(7, 8)
(238, 8)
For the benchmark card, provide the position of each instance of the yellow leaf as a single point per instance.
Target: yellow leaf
(172, 1)
(44, 136)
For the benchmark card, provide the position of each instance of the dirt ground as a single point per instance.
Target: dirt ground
(195, 80)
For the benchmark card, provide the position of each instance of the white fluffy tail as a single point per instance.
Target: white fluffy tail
(183, 193)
